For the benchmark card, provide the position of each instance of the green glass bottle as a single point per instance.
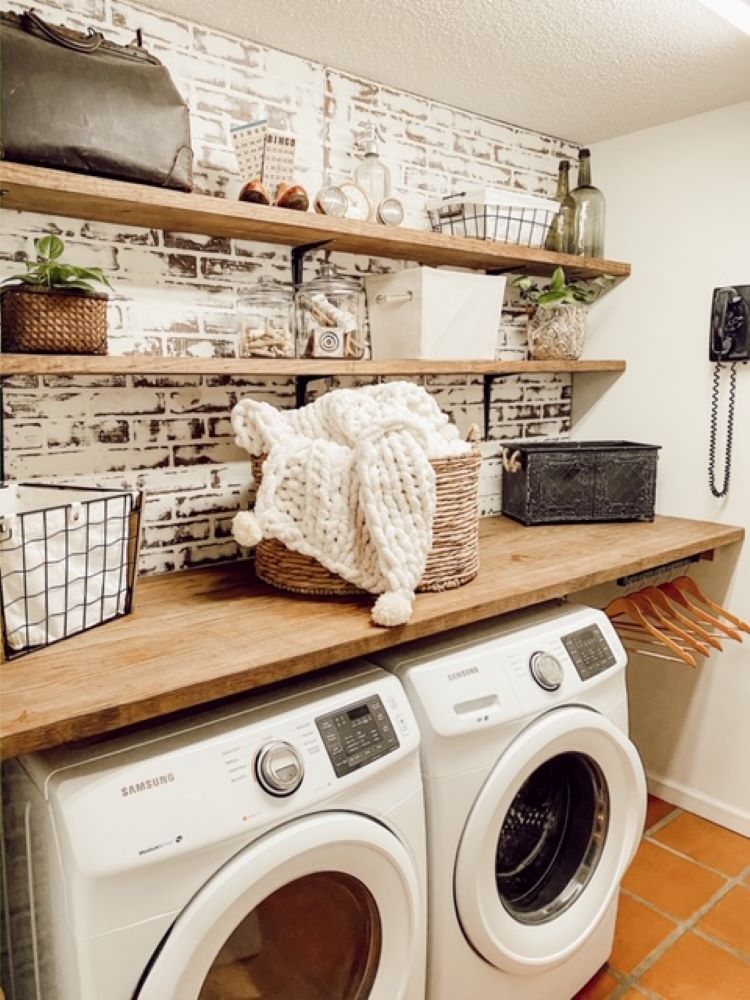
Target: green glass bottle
(562, 231)
(589, 217)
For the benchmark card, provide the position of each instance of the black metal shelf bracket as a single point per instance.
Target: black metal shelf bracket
(2, 430)
(489, 380)
(298, 259)
(301, 383)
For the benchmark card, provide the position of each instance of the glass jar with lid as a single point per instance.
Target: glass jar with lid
(267, 317)
(331, 317)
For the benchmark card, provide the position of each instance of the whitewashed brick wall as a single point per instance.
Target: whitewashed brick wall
(176, 294)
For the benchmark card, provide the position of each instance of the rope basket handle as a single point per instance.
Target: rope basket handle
(510, 461)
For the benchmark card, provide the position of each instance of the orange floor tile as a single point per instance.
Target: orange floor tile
(656, 810)
(694, 969)
(706, 842)
(683, 921)
(639, 930)
(729, 919)
(672, 883)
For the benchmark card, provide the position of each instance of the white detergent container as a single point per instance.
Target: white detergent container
(429, 312)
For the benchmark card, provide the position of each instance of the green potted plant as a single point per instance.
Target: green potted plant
(557, 314)
(53, 307)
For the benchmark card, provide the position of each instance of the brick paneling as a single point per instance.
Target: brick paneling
(176, 294)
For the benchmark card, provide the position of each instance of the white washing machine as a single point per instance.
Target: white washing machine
(273, 849)
(535, 800)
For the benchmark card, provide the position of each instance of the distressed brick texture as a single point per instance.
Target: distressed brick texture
(176, 294)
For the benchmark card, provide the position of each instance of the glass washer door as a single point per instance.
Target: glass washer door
(324, 908)
(548, 840)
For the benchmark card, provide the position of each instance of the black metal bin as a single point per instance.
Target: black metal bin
(557, 482)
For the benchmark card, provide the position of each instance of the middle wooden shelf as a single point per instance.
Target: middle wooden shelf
(147, 364)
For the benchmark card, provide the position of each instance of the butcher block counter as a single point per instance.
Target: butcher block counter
(205, 634)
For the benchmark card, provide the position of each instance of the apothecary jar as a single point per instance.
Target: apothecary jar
(267, 321)
(331, 317)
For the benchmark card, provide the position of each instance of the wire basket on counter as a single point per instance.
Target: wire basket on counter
(493, 214)
(68, 561)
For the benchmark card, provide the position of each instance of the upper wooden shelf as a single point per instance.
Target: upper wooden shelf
(57, 192)
(145, 364)
(204, 634)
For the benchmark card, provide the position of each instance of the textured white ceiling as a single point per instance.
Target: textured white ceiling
(580, 69)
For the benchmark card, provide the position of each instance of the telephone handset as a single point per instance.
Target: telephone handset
(729, 341)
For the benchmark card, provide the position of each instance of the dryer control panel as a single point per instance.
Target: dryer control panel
(357, 735)
(589, 651)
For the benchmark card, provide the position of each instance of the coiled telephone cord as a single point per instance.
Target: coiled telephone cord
(715, 426)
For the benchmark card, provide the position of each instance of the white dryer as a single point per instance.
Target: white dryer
(535, 800)
(270, 849)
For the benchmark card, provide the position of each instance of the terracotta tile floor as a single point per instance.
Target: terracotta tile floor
(683, 924)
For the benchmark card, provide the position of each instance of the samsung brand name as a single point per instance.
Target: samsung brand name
(148, 785)
(458, 674)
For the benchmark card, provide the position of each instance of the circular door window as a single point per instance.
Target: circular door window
(552, 838)
(316, 938)
(548, 839)
(325, 907)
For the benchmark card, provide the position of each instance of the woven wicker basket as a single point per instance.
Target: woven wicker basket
(453, 559)
(50, 321)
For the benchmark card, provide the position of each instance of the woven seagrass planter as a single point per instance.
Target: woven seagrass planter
(557, 333)
(53, 321)
(453, 559)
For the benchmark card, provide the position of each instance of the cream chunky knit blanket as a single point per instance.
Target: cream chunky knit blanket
(348, 481)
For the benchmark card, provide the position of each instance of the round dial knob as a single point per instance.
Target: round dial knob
(546, 670)
(279, 768)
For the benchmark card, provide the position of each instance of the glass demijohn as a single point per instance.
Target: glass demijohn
(561, 234)
(371, 174)
(589, 200)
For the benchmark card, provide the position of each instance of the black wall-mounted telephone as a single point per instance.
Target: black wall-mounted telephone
(729, 341)
(730, 325)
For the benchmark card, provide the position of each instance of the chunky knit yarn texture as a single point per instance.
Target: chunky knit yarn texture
(348, 481)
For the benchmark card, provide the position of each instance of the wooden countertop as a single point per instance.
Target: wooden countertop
(205, 634)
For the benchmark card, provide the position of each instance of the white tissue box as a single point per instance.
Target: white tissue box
(427, 312)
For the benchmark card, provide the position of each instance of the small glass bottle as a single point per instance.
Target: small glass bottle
(562, 231)
(267, 317)
(371, 174)
(330, 317)
(589, 223)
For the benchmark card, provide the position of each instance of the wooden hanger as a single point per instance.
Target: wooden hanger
(661, 600)
(624, 606)
(685, 583)
(675, 593)
(649, 607)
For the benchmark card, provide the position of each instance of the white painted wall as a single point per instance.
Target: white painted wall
(678, 199)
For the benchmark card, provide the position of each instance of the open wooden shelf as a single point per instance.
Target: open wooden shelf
(201, 635)
(145, 364)
(57, 192)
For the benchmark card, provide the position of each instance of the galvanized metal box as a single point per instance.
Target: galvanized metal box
(555, 482)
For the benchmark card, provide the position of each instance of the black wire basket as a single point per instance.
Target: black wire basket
(523, 226)
(68, 561)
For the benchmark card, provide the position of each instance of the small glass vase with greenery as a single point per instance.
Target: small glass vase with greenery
(55, 307)
(557, 314)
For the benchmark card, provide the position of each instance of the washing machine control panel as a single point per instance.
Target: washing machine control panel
(357, 734)
(589, 651)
